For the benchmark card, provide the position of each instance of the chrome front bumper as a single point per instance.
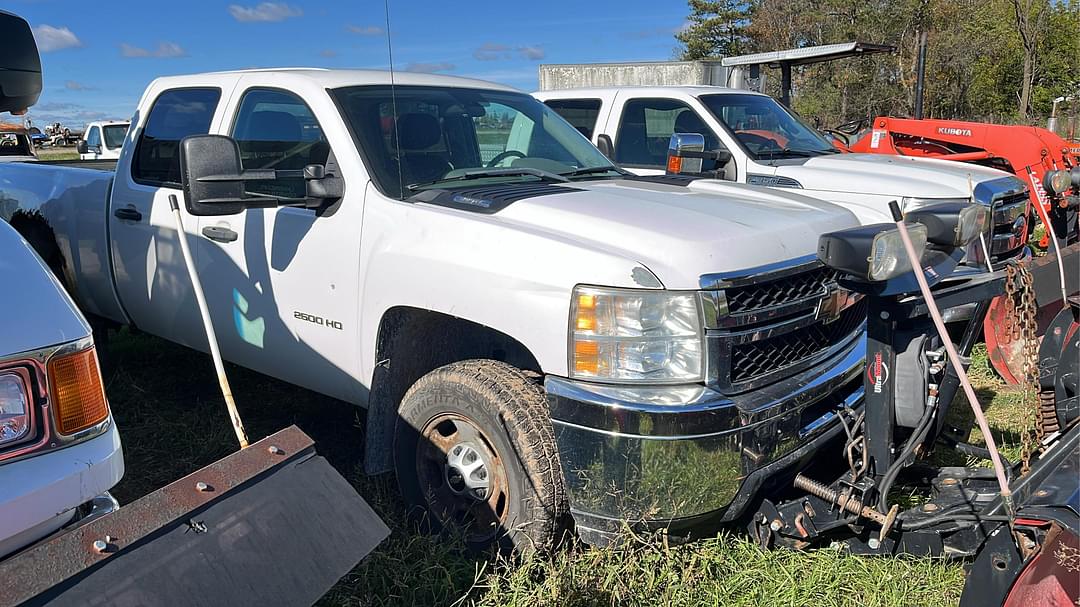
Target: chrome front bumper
(685, 455)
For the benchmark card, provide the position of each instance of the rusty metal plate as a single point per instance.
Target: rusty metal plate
(271, 524)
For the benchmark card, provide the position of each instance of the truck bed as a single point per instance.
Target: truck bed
(61, 209)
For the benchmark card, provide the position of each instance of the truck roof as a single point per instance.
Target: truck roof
(334, 78)
(690, 89)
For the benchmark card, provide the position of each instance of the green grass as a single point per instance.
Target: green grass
(61, 153)
(172, 422)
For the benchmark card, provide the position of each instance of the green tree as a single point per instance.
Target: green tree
(716, 29)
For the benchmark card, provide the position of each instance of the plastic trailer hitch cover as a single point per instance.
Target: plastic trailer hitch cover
(272, 524)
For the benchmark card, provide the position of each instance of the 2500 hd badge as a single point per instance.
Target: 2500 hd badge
(318, 320)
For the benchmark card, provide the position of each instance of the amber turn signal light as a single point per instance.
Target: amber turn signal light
(78, 398)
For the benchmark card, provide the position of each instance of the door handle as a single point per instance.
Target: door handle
(219, 233)
(128, 213)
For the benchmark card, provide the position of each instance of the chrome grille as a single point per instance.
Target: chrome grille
(1009, 229)
(763, 324)
(760, 358)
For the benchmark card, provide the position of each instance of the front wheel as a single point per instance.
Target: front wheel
(474, 449)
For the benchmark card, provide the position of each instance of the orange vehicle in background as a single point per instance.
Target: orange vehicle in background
(1050, 166)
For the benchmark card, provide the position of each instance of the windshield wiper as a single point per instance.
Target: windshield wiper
(594, 170)
(792, 153)
(483, 173)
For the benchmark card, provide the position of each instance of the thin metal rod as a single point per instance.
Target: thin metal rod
(211, 336)
(954, 359)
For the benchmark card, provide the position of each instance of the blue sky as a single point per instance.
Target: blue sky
(98, 56)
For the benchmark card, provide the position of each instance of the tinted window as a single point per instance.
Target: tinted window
(582, 113)
(276, 130)
(93, 138)
(114, 135)
(174, 115)
(646, 127)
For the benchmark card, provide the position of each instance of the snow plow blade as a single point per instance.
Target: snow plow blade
(272, 524)
(1006, 348)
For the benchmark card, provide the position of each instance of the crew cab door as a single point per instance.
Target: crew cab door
(93, 144)
(642, 128)
(151, 278)
(281, 283)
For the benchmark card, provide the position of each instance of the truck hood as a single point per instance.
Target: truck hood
(682, 232)
(886, 175)
(37, 312)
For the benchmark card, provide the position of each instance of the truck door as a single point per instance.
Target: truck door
(281, 283)
(151, 279)
(93, 144)
(644, 130)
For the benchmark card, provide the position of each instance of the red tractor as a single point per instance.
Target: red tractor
(1050, 166)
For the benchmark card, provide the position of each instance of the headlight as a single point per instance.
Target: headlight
(1057, 183)
(951, 224)
(635, 336)
(14, 408)
(874, 252)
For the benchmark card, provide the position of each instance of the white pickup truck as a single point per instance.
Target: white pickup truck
(102, 140)
(540, 339)
(767, 144)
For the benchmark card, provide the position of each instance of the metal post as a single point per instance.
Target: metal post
(920, 76)
(785, 84)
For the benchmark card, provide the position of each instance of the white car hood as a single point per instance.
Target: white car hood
(887, 175)
(37, 311)
(681, 233)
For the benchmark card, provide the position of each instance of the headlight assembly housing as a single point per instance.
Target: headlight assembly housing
(15, 408)
(636, 336)
(872, 253)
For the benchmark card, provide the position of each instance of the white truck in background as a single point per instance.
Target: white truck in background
(539, 337)
(102, 140)
(766, 144)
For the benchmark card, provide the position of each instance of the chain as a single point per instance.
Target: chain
(1025, 327)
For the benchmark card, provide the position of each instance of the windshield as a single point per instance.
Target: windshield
(114, 135)
(765, 128)
(448, 134)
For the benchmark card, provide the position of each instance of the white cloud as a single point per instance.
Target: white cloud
(532, 53)
(328, 53)
(164, 49)
(430, 68)
(491, 51)
(51, 38)
(72, 85)
(365, 30)
(266, 11)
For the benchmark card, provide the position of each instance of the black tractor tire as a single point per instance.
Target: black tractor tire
(512, 427)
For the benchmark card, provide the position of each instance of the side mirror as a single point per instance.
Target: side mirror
(81, 147)
(20, 65)
(213, 178)
(603, 143)
(687, 150)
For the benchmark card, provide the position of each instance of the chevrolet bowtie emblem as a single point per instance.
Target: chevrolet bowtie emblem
(836, 301)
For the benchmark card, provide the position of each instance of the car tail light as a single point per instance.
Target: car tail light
(77, 395)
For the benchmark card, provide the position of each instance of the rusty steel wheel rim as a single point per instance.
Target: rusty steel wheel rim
(462, 477)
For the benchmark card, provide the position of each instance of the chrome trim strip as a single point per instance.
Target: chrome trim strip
(767, 272)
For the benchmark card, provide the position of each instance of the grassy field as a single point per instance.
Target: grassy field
(173, 421)
(64, 153)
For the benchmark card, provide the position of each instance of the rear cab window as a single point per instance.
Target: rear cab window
(646, 126)
(582, 113)
(175, 114)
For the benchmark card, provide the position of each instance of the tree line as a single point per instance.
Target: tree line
(987, 60)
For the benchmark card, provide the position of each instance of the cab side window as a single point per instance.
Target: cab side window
(581, 113)
(175, 114)
(93, 138)
(276, 130)
(645, 130)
